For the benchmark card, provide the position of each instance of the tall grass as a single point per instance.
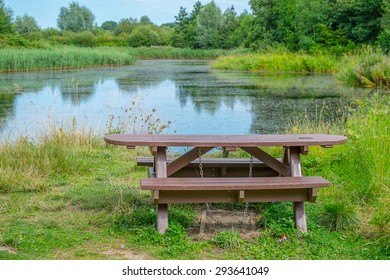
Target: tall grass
(174, 53)
(277, 62)
(58, 58)
(367, 68)
(359, 170)
(27, 164)
(13, 60)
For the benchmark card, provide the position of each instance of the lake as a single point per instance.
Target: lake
(195, 98)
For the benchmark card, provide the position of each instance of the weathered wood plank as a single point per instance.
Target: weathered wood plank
(296, 172)
(164, 140)
(161, 172)
(224, 183)
(269, 160)
(185, 159)
(162, 218)
(223, 196)
(207, 162)
(161, 162)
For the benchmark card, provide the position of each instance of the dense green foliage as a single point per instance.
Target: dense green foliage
(312, 25)
(5, 18)
(76, 18)
(26, 24)
(308, 25)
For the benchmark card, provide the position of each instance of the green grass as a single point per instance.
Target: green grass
(174, 53)
(13, 60)
(367, 68)
(59, 58)
(69, 196)
(277, 62)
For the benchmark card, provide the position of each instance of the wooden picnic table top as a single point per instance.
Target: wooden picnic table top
(194, 140)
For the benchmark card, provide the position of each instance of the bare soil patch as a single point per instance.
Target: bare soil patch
(8, 250)
(125, 254)
(214, 221)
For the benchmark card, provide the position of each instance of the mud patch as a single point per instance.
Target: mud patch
(214, 221)
(8, 250)
(125, 254)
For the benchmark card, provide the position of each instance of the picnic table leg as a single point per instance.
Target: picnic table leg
(161, 172)
(296, 171)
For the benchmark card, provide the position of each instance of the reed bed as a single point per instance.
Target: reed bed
(174, 53)
(60, 58)
(277, 62)
(16, 60)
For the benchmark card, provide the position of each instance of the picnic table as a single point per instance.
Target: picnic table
(193, 178)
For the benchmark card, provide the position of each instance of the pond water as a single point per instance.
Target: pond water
(188, 93)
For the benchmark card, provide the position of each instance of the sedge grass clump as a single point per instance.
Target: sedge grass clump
(338, 215)
(368, 68)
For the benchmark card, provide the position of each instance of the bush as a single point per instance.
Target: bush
(144, 36)
(84, 39)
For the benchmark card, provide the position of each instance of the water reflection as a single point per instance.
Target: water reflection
(197, 99)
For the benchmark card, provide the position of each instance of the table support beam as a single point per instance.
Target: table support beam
(161, 172)
(296, 171)
(185, 159)
(269, 160)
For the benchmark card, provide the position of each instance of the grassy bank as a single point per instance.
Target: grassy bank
(58, 58)
(277, 62)
(14, 60)
(365, 68)
(66, 195)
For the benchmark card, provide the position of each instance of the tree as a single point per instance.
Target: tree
(144, 36)
(241, 33)
(109, 25)
(181, 21)
(209, 26)
(145, 20)
(230, 24)
(76, 18)
(311, 21)
(5, 18)
(126, 26)
(384, 36)
(359, 20)
(26, 24)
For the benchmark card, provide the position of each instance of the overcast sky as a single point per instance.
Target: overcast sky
(46, 12)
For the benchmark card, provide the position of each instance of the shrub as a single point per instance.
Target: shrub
(144, 35)
(84, 39)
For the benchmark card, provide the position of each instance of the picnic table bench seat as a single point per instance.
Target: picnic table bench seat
(217, 167)
(221, 190)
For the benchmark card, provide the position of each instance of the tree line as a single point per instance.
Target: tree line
(308, 25)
